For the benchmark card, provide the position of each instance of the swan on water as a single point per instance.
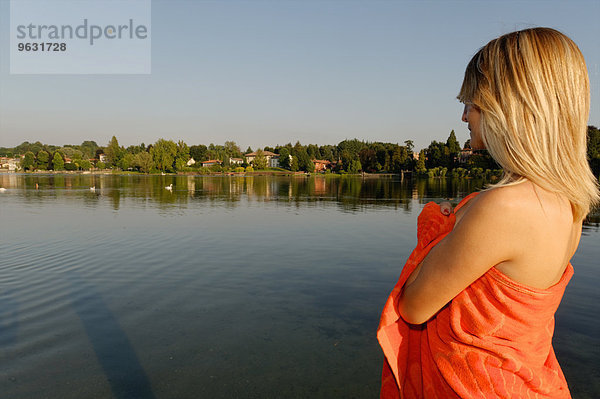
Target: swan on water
(169, 187)
(2, 189)
(93, 188)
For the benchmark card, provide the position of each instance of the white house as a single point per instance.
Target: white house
(12, 164)
(272, 158)
(274, 161)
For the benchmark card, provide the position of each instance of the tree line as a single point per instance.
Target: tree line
(349, 156)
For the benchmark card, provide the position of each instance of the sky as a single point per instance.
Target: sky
(263, 73)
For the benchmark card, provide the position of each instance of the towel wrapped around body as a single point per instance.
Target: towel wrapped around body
(493, 340)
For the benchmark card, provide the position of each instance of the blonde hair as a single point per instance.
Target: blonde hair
(532, 88)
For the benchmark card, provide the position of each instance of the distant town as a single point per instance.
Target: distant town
(439, 159)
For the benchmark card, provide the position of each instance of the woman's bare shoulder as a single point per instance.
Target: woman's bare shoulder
(506, 203)
(525, 200)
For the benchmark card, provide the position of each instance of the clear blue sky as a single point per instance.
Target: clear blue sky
(271, 72)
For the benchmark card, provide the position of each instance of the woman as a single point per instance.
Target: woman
(472, 314)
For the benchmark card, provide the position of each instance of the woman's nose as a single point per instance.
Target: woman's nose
(464, 115)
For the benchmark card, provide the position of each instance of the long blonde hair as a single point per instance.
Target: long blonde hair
(532, 88)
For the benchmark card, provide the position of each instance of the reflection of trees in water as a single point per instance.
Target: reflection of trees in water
(350, 192)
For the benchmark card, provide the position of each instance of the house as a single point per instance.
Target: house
(273, 161)
(321, 165)
(190, 162)
(211, 162)
(12, 164)
(272, 158)
(236, 161)
(102, 158)
(464, 155)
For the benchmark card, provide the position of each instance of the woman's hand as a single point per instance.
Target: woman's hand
(446, 208)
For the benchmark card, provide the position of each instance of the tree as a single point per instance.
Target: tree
(453, 143)
(70, 152)
(143, 161)
(199, 152)
(42, 159)
(248, 150)
(163, 154)
(435, 155)
(304, 161)
(294, 167)
(420, 167)
(113, 152)
(368, 160)
(85, 164)
(126, 161)
(134, 149)
(101, 165)
(58, 162)
(399, 159)
(453, 149)
(88, 148)
(409, 146)
(313, 151)
(28, 162)
(183, 155)
(284, 158)
(71, 166)
(260, 162)
(327, 153)
(352, 146)
(232, 149)
(355, 167)
(346, 157)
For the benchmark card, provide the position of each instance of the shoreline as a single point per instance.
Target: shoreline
(254, 173)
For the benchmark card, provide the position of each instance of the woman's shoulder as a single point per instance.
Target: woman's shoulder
(525, 200)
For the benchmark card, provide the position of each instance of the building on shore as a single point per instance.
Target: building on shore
(272, 158)
(211, 162)
(322, 165)
(10, 164)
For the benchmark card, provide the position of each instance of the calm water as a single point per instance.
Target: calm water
(254, 287)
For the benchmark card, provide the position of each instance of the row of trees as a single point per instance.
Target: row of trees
(351, 156)
(44, 160)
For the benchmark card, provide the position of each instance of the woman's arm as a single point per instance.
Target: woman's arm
(490, 232)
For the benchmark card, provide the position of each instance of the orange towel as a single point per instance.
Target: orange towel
(493, 340)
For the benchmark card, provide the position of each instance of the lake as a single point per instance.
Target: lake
(224, 287)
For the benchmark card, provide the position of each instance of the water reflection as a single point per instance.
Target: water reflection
(351, 193)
